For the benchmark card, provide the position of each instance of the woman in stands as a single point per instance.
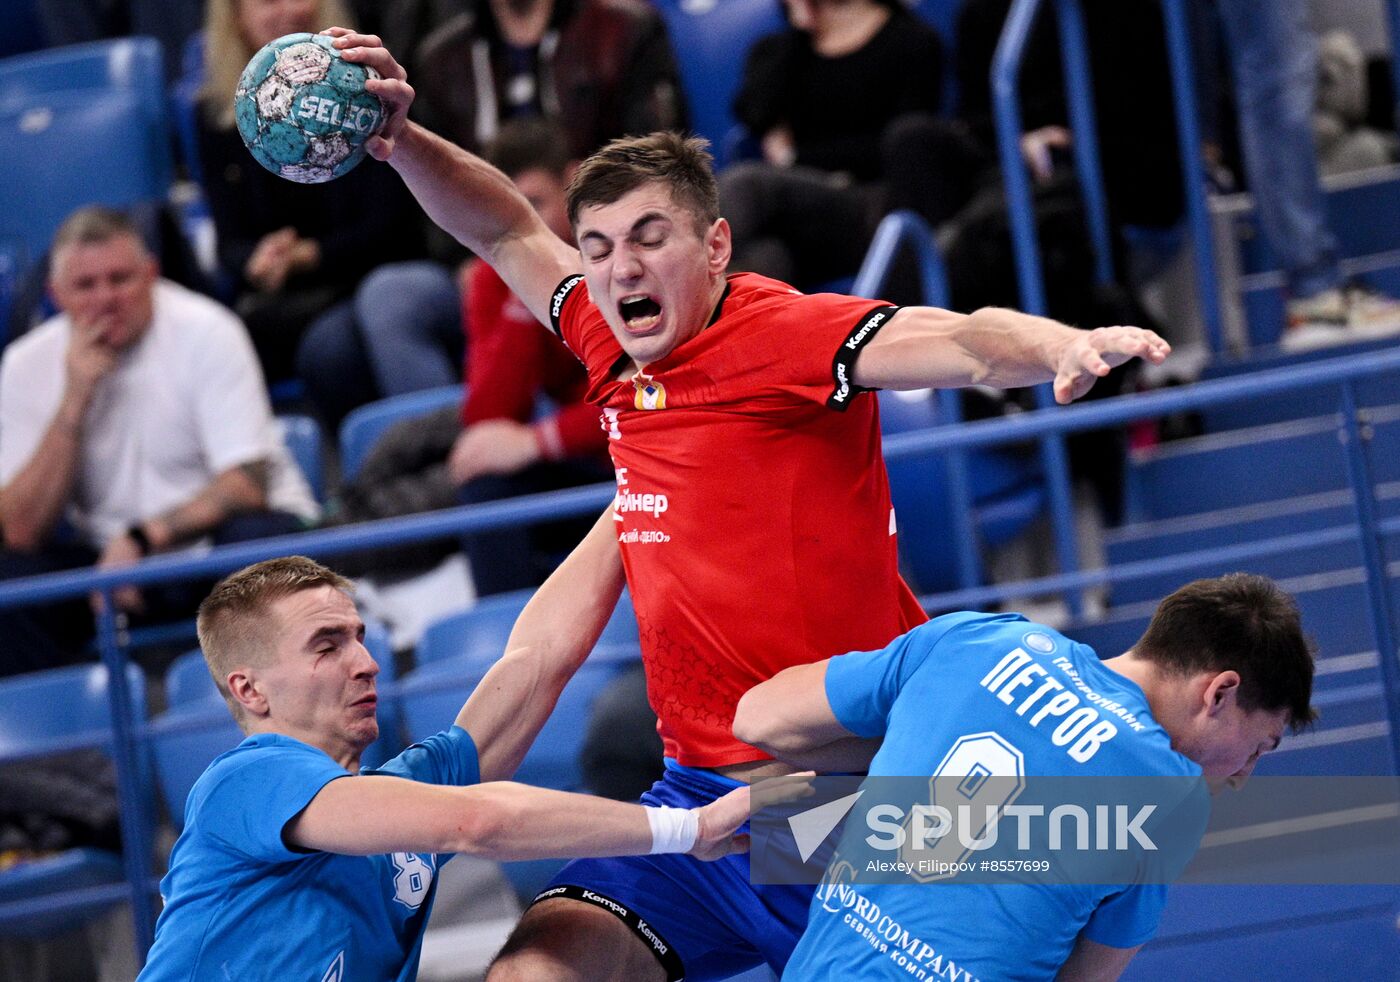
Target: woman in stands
(327, 287)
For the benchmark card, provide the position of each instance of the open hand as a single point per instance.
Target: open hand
(1091, 355)
(719, 835)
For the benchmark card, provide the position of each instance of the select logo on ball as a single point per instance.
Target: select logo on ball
(323, 110)
(303, 111)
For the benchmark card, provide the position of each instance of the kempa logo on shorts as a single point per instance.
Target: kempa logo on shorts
(651, 936)
(607, 902)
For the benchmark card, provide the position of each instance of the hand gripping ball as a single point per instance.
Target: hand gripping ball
(303, 111)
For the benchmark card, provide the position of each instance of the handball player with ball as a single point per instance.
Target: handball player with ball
(752, 513)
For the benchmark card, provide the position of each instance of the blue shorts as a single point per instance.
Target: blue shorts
(703, 920)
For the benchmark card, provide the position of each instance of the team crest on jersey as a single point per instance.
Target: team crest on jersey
(651, 394)
(1036, 641)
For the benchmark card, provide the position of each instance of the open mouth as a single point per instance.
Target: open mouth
(639, 313)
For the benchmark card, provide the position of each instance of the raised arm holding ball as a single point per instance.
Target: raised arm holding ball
(753, 511)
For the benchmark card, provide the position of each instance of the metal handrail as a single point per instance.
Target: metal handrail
(1006, 101)
(906, 229)
(129, 732)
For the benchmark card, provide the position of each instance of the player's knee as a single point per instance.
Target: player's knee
(564, 940)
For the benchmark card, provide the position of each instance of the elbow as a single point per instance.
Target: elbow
(490, 819)
(753, 723)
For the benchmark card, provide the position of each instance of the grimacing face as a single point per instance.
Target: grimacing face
(653, 276)
(320, 683)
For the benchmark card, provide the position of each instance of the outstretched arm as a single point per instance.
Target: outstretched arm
(362, 816)
(790, 717)
(924, 347)
(466, 196)
(550, 640)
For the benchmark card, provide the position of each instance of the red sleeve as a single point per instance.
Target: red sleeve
(580, 325)
(503, 353)
(807, 345)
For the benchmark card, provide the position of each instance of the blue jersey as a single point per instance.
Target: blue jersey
(240, 904)
(935, 694)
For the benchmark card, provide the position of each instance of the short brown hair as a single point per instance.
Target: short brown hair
(683, 164)
(92, 225)
(1241, 622)
(230, 617)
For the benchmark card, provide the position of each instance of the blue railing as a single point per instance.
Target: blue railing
(1006, 73)
(129, 732)
(908, 230)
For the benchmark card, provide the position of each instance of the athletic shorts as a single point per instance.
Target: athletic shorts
(702, 920)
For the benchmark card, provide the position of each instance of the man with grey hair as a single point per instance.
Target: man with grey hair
(134, 422)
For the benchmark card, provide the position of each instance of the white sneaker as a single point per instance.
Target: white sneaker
(1340, 316)
(1372, 314)
(1315, 322)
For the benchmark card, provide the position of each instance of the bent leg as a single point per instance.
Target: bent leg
(564, 940)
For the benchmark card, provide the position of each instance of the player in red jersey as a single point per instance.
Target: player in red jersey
(753, 510)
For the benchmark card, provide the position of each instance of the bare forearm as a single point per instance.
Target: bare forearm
(991, 346)
(32, 503)
(463, 194)
(237, 490)
(849, 755)
(538, 823)
(552, 637)
(924, 346)
(501, 820)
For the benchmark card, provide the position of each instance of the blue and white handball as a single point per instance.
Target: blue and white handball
(303, 111)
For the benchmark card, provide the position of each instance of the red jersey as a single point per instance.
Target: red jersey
(752, 507)
(510, 361)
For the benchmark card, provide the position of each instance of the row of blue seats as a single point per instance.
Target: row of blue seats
(69, 707)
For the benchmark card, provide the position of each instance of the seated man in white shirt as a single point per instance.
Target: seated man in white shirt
(135, 422)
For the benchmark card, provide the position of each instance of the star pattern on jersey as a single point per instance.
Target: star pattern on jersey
(684, 685)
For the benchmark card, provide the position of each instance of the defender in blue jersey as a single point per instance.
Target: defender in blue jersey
(1223, 668)
(287, 871)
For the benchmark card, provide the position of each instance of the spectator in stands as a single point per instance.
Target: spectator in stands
(601, 68)
(139, 415)
(171, 22)
(834, 100)
(325, 285)
(494, 447)
(1273, 53)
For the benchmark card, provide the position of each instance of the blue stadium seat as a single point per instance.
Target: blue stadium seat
(302, 435)
(480, 632)
(59, 709)
(198, 726)
(81, 124)
(1007, 494)
(433, 694)
(711, 39)
(365, 425)
(1301, 457)
(184, 104)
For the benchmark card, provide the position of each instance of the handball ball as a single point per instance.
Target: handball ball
(303, 111)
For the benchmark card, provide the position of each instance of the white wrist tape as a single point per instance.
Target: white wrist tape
(672, 829)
